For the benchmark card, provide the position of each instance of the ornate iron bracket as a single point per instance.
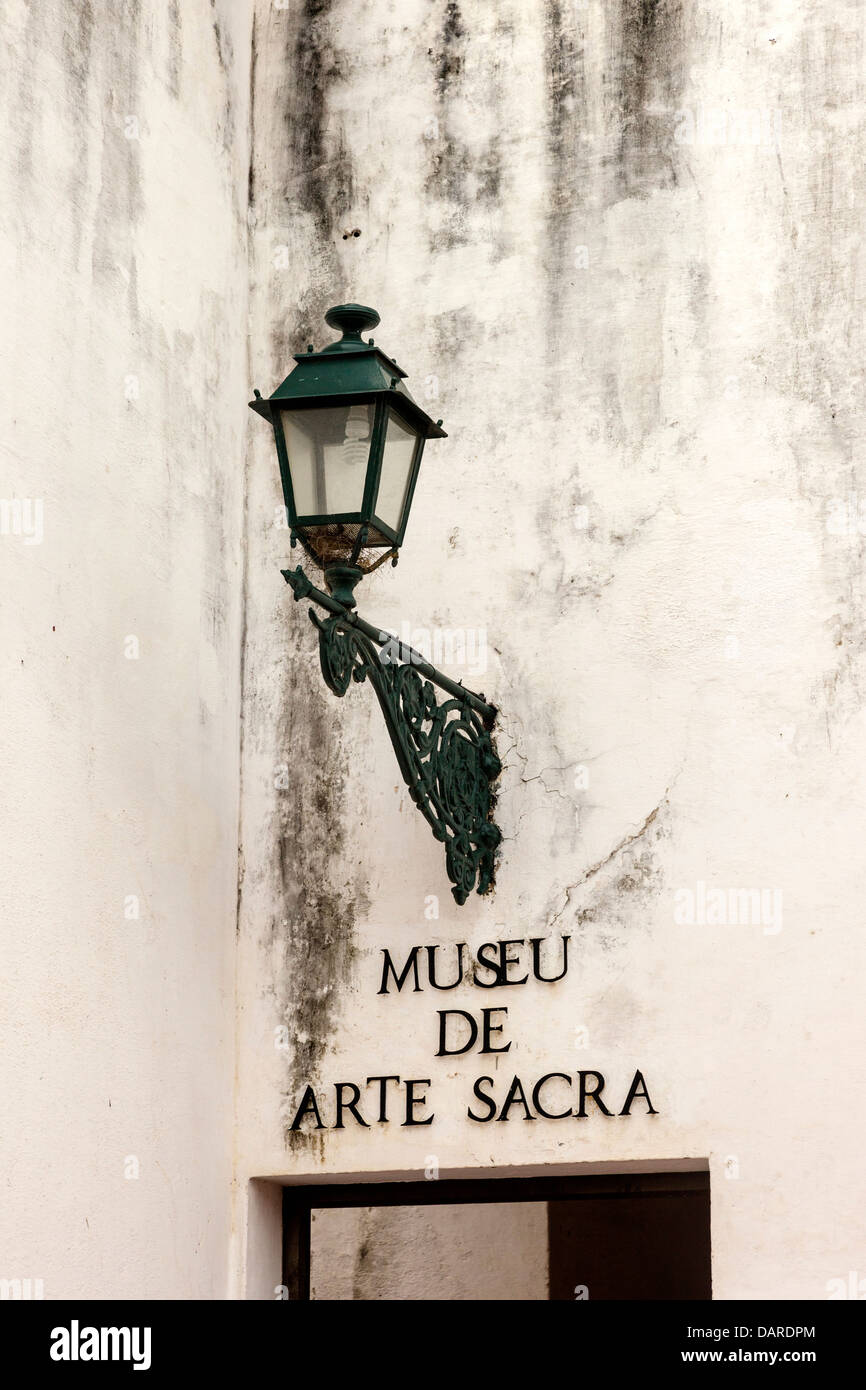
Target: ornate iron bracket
(444, 747)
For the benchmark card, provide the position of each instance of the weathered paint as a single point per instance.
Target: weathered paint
(123, 277)
(645, 342)
(643, 339)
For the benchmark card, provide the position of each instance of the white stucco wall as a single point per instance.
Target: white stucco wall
(123, 377)
(617, 247)
(625, 239)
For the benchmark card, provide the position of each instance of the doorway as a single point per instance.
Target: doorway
(635, 1236)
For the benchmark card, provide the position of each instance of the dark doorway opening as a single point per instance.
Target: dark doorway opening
(636, 1236)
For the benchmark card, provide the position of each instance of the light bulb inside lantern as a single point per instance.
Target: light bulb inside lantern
(356, 444)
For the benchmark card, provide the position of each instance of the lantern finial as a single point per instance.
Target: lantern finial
(352, 320)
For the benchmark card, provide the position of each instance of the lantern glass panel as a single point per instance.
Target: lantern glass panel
(328, 451)
(398, 456)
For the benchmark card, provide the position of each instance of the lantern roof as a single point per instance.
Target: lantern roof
(346, 368)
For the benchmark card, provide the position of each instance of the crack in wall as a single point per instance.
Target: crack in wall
(623, 845)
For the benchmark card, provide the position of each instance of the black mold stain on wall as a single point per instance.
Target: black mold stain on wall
(175, 47)
(308, 180)
(320, 164)
(647, 61)
(311, 837)
(314, 918)
(77, 52)
(301, 188)
(563, 87)
(225, 57)
(26, 104)
(563, 80)
(459, 175)
(77, 43)
(643, 71)
(364, 1267)
(449, 62)
(120, 198)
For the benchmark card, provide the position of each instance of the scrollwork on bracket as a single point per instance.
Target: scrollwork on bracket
(445, 752)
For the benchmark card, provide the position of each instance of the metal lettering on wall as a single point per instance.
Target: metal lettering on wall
(555, 1095)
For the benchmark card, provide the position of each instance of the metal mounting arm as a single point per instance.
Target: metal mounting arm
(444, 749)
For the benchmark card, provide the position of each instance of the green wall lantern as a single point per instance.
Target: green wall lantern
(349, 442)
